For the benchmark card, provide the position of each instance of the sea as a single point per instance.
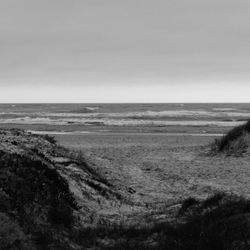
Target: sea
(86, 117)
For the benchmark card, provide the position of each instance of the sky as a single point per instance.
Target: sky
(124, 51)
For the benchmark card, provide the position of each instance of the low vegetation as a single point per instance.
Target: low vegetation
(220, 222)
(38, 210)
(33, 199)
(236, 142)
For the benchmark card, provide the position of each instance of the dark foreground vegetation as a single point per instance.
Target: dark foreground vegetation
(39, 211)
(35, 201)
(220, 222)
(236, 142)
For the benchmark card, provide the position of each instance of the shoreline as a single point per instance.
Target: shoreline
(43, 132)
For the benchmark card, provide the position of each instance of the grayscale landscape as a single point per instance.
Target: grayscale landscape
(124, 125)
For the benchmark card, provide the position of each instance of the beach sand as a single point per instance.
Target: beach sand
(158, 169)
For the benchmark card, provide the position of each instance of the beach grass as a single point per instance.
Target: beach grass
(235, 142)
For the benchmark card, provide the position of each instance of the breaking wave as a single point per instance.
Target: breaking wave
(116, 122)
(91, 116)
(143, 114)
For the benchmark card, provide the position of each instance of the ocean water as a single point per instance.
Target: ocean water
(106, 115)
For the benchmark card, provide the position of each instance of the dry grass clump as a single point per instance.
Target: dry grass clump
(236, 142)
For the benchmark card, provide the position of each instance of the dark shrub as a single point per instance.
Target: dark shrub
(213, 200)
(188, 203)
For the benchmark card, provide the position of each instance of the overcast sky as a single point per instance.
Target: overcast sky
(124, 50)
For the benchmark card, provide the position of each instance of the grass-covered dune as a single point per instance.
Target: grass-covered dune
(220, 222)
(45, 190)
(235, 142)
(50, 198)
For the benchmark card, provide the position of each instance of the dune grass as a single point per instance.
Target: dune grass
(220, 222)
(236, 142)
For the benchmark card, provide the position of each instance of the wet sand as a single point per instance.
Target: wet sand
(53, 133)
